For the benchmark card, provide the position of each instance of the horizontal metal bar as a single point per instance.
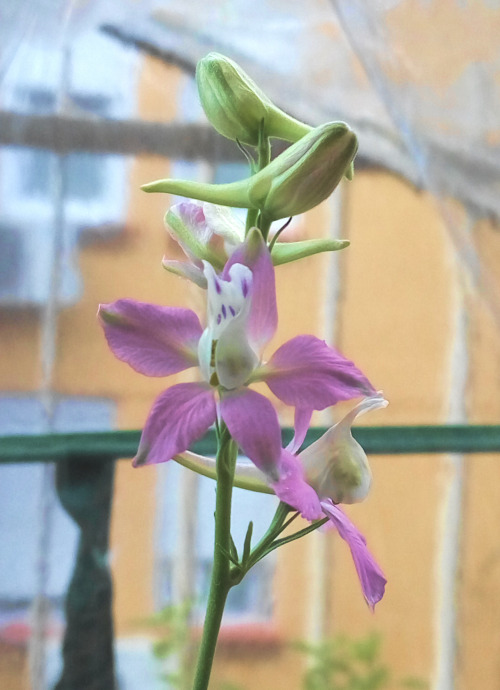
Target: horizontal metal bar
(175, 140)
(387, 440)
(67, 133)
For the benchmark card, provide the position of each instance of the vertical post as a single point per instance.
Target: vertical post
(321, 551)
(85, 488)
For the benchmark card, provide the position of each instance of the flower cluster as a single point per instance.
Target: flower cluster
(227, 346)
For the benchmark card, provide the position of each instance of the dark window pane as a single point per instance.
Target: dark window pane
(11, 259)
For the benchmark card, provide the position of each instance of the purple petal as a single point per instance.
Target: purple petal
(263, 319)
(293, 489)
(253, 423)
(153, 340)
(370, 575)
(179, 417)
(301, 425)
(306, 372)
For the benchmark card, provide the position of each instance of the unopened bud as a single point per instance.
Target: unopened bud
(306, 173)
(204, 231)
(237, 108)
(232, 102)
(294, 182)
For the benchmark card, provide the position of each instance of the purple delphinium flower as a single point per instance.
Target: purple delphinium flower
(242, 318)
(334, 469)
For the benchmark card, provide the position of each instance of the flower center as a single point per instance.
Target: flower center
(226, 356)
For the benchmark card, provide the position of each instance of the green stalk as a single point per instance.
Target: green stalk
(254, 217)
(222, 578)
(221, 581)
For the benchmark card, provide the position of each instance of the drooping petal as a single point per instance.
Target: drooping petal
(306, 372)
(179, 417)
(185, 270)
(293, 489)
(253, 423)
(153, 340)
(336, 465)
(369, 572)
(263, 319)
(301, 425)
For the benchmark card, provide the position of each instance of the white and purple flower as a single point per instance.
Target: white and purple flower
(205, 232)
(242, 317)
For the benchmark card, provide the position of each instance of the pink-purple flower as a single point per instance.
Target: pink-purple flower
(332, 470)
(242, 317)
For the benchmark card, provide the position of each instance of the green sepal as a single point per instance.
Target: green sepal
(285, 252)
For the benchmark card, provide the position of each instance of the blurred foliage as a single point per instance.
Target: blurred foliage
(343, 663)
(337, 663)
(175, 647)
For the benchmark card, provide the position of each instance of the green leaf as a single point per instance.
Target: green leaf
(248, 544)
(285, 252)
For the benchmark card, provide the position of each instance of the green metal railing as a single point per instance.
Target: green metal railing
(84, 482)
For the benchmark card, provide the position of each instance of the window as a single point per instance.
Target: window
(79, 191)
(251, 600)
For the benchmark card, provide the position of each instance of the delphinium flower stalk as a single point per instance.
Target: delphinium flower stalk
(235, 265)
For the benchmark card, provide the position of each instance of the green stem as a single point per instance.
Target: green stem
(254, 218)
(221, 580)
(276, 527)
(264, 225)
(264, 149)
(252, 215)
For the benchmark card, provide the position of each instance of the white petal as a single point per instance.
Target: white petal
(222, 221)
(336, 465)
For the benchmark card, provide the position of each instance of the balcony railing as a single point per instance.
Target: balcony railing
(84, 483)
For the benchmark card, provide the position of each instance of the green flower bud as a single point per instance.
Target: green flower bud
(237, 108)
(297, 180)
(232, 102)
(306, 173)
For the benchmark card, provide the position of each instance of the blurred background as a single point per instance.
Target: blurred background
(98, 97)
